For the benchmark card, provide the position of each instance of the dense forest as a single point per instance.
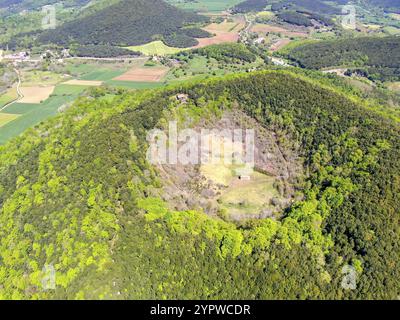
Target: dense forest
(388, 5)
(250, 5)
(127, 23)
(77, 193)
(296, 18)
(102, 51)
(228, 52)
(315, 6)
(367, 55)
(298, 12)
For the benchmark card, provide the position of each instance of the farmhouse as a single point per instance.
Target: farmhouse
(183, 98)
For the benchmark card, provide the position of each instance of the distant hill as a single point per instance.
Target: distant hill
(20, 5)
(314, 6)
(126, 23)
(367, 55)
(388, 5)
(250, 5)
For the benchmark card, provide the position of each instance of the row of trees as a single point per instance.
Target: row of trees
(102, 51)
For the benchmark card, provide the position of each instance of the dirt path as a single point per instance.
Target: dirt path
(244, 34)
(19, 93)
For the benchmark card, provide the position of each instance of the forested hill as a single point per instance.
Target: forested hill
(77, 195)
(20, 5)
(9, 3)
(128, 22)
(314, 6)
(388, 5)
(377, 58)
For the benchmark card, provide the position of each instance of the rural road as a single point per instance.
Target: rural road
(244, 34)
(19, 93)
(106, 59)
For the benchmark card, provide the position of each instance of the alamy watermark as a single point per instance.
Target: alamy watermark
(349, 280)
(349, 17)
(49, 278)
(207, 146)
(49, 20)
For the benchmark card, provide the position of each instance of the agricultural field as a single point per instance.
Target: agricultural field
(32, 78)
(36, 94)
(44, 92)
(395, 16)
(227, 31)
(89, 83)
(391, 30)
(134, 85)
(231, 25)
(279, 44)
(31, 114)
(155, 48)
(212, 6)
(263, 29)
(6, 118)
(395, 86)
(8, 96)
(144, 74)
(98, 70)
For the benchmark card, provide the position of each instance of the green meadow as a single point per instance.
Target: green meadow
(134, 85)
(28, 115)
(205, 5)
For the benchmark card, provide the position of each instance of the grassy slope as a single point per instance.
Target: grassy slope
(155, 48)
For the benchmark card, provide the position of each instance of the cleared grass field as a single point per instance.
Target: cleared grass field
(266, 14)
(205, 5)
(155, 48)
(249, 197)
(241, 196)
(6, 118)
(7, 97)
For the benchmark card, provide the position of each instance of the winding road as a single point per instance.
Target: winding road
(19, 93)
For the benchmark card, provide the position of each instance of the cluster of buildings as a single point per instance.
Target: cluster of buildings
(19, 56)
(25, 56)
